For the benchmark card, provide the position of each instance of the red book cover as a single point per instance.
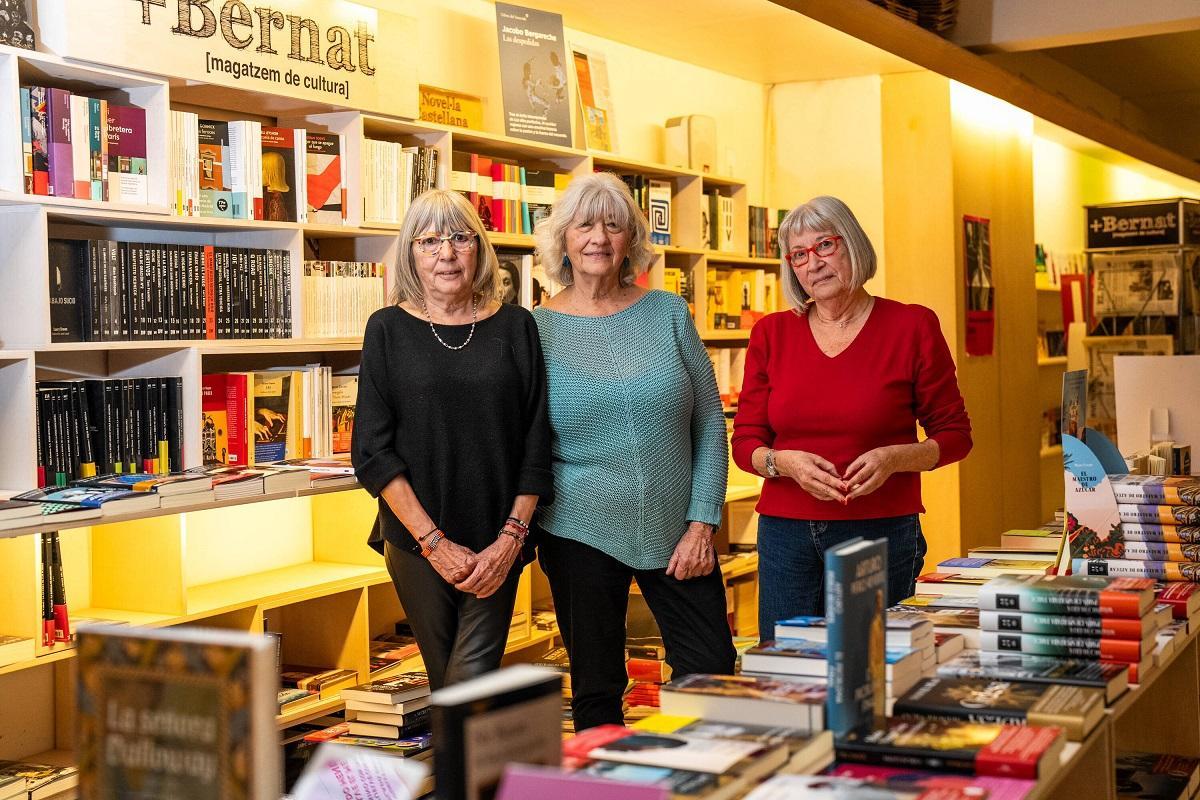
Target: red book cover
(484, 199)
(473, 195)
(647, 669)
(214, 420)
(1121, 650)
(279, 175)
(237, 404)
(326, 734)
(1183, 598)
(577, 748)
(210, 294)
(1015, 753)
(499, 193)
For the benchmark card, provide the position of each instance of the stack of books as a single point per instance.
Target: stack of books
(806, 660)
(339, 296)
(904, 630)
(388, 713)
(389, 651)
(1160, 522)
(1113, 620)
(323, 682)
(648, 670)
(557, 660)
(990, 563)
(20, 780)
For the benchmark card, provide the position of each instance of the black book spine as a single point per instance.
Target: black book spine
(271, 312)
(83, 422)
(195, 284)
(124, 331)
(164, 420)
(112, 425)
(157, 290)
(45, 416)
(285, 258)
(38, 419)
(957, 761)
(171, 296)
(129, 423)
(93, 398)
(112, 264)
(96, 253)
(175, 423)
(88, 285)
(62, 429)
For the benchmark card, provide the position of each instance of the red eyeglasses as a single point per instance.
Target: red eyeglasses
(824, 248)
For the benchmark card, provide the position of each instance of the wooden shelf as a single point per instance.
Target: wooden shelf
(523, 240)
(610, 163)
(1053, 361)
(280, 587)
(725, 336)
(50, 525)
(670, 249)
(1054, 451)
(213, 346)
(734, 492)
(721, 180)
(65, 205)
(719, 257)
(111, 215)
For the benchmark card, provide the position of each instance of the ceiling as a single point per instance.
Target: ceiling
(752, 39)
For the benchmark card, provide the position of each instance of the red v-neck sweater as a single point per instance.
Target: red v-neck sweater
(896, 373)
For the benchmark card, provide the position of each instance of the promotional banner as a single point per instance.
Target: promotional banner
(330, 51)
(981, 292)
(533, 74)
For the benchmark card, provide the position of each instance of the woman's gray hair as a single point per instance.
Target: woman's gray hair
(442, 211)
(825, 214)
(603, 197)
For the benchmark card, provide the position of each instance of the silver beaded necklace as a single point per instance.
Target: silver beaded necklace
(441, 341)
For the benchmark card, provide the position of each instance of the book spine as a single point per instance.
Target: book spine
(1167, 534)
(1119, 650)
(1156, 494)
(1120, 568)
(26, 142)
(39, 131)
(1092, 627)
(1042, 600)
(1161, 551)
(62, 176)
(1160, 514)
(955, 761)
(96, 125)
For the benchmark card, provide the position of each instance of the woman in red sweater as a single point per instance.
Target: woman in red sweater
(833, 392)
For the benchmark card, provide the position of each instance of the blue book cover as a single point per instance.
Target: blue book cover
(855, 598)
(965, 563)
(809, 648)
(76, 495)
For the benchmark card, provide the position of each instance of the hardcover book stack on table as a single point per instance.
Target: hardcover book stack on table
(904, 630)
(1092, 618)
(1160, 530)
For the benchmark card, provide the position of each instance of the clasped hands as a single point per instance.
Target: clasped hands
(820, 478)
(480, 574)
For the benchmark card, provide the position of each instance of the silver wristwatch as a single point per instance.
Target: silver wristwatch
(772, 470)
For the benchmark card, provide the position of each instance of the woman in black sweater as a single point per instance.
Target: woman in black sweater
(451, 435)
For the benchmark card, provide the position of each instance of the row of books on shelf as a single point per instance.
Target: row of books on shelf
(729, 367)
(716, 223)
(82, 147)
(394, 176)
(510, 198)
(738, 298)
(764, 231)
(103, 290)
(339, 296)
(250, 418)
(246, 170)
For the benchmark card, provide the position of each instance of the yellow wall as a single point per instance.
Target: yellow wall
(1065, 180)
(824, 138)
(457, 49)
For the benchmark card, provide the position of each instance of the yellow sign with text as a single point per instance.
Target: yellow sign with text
(451, 108)
(330, 51)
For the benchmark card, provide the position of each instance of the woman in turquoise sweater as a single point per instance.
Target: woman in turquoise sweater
(638, 452)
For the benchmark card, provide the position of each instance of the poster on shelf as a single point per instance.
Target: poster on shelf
(595, 101)
(981, 292)
(1102, 390)
(446, 107)
(1136, 284)
(533, 75)
(331, 51)
(15, 30)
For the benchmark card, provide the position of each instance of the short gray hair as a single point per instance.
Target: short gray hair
(598, 196)
(444, 211)
(825, 214)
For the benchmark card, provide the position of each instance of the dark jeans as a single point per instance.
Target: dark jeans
(460, 636)
(791, 562)
(591, 597)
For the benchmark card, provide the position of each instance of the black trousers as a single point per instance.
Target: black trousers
(460, 636)
(591, 596)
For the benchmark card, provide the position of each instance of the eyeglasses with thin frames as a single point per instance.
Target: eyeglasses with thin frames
(824, 248)
(459, 240)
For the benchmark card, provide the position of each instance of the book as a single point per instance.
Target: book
(804, 747)
(821, 787)
(1160, 551)
(804, 657)
(67, 289)
(273, 417)
(1113, 679)
(176, 712)
(40, 781)
(1088, 627)
(109, 501)
(1156, 775)
(1075, 709)
(282, 186)
(1155, 532)
(1126, 568)
(1159, 514)
(15, 30)
(1122, 650)
(858, 667)
(324, 681)
(409, 686)
(1069, 594)
(909, 780)
(18, 509)
(171, 485)
(749, 759)
(991, 567)
(901, 630)
(990, 749)
(128, 169)
(940, 601)
(948, 645)
(1183, 598)
(1156, 490)
(361, 773)
(480, 725)
(59, 130)
(745, 699)
(949, 583)
(325, 173)
(216, 192)
(681, 784)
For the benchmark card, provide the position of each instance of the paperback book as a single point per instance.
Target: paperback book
(855, 596)
(1069, 594)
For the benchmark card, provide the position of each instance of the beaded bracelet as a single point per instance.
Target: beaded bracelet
(518, 523)
(427, 548)
(506, 532)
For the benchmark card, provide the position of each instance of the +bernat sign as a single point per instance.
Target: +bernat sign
(333, 51)
(1143, 224)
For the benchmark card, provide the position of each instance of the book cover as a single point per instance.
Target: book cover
(675, 751)
(1128, 598)
(934, 782)
(1156, 490)
(533, 74)
(325, 173)
(825, 787)
(176, 712)
(746, 699)
(659, 215)
(39, 145)
(272, 415)
(343, 398)
(1086, 626)
(67, 266)
(988, 749)
(216, 197)
(1119, 650)
(280, 186)
(480, 725)
(1128, 568)
(1073, 708)
(595, 101)
(855, 596)
(408, 686)
(1157, 514)
(128, 169)
(58, 126)
(538, 194)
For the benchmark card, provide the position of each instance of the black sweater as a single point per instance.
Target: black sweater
(468, 428)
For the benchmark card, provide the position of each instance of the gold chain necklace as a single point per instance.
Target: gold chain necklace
(843, 324)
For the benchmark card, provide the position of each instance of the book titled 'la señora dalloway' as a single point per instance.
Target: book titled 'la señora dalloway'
(855, 594)
(185, 713)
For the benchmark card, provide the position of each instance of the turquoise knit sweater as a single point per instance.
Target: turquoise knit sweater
(639, 436)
